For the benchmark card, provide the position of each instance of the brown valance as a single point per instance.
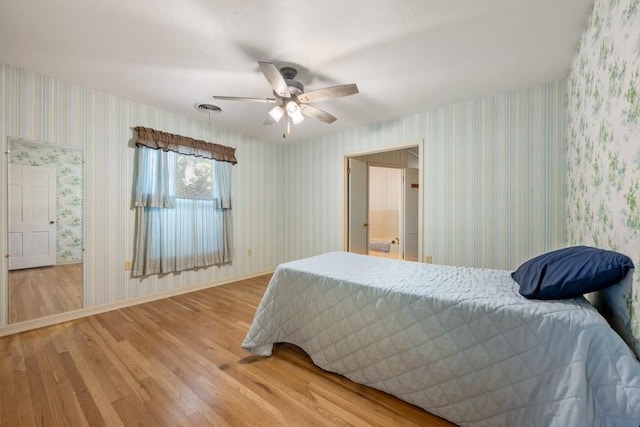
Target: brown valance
(159, 140)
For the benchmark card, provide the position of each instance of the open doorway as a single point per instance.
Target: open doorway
(383, 203)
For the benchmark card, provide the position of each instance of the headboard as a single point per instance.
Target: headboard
(618, 305)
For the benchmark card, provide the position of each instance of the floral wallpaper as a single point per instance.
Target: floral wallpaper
(68, 164)
(604, 150)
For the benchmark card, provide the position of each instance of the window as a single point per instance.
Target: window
(194, 177)
(183, 205)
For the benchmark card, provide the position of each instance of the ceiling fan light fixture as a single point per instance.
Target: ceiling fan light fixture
(297, 118)
(276, 113)
(292, 107)
(293, 110)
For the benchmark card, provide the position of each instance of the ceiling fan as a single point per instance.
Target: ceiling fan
(290, 98)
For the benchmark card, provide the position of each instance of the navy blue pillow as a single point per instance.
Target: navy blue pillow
(570, 272)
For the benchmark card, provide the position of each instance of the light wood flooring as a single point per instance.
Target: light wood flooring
(178, 362)
(43, 291)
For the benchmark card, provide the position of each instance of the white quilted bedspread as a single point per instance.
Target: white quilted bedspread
(459, 342)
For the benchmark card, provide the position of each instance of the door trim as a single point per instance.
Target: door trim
(345, 188)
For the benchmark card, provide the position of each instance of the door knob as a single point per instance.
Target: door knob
(365, 225)
(52, 222)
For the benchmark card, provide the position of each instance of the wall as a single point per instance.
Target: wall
(40, 108)
(68, 164)
(494, 172)
(494, 179)
(385, 188)
(604, 149)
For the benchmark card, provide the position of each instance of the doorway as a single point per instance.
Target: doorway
(383, 203)
(385, 211)
(45, 229)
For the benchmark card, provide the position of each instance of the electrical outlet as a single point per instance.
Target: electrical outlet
(428, 259)
(249, 252)
(128, 265)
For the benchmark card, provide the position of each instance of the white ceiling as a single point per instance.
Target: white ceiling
(406, 56)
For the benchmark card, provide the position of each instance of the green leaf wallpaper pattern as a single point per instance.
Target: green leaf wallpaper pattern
(68, 164)
(604, 148)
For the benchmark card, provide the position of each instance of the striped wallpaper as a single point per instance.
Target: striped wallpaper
(40, 108)
(494, 181)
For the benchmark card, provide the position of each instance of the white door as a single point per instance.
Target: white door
(358, 207)
(32, 216)
(410, 214)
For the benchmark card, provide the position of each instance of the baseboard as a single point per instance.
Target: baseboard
(28, 325)
(69, 262)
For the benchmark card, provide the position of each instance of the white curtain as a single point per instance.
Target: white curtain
(175, 234)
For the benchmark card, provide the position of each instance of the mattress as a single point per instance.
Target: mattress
(459, 342)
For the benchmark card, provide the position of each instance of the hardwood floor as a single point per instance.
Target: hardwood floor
(43, 291)
(178, 362)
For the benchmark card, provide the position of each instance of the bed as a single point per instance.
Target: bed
(461, 343)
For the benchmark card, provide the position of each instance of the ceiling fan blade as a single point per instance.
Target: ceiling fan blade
(316, 113)
(275, 79)
(328, 93)
(240, 98)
